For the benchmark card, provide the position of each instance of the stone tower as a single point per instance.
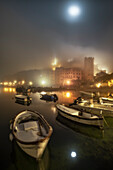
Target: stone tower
(89, 68)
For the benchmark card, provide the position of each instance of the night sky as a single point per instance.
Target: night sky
(33, 33)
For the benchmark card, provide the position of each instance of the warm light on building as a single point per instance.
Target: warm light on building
(59, 65)
(110, 83)
(5, 83)
(98, 85)
(68, 82)
(30, 83)
(15, 81)
(23, 82)
(54, 62)
(53, 68)
(10, 83)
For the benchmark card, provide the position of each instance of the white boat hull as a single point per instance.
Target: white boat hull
(87, 120)
(107, 100)
(34, 150)
(23, 98)
(83, 121)
(107, 110)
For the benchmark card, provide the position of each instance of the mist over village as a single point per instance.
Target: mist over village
(69, 74)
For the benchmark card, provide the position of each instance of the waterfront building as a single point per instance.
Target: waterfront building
(67, 76)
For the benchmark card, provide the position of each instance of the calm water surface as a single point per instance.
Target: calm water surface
(92, 147)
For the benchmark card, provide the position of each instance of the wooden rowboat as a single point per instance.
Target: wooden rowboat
(31, 132)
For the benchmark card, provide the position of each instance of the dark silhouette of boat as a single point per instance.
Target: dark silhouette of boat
(23, 99)
(23, 103)
(47, 97)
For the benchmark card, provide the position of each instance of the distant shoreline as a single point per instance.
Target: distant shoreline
(51, 89)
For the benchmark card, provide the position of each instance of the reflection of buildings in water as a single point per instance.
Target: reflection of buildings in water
(9, 89)
(67, 96)
(22, 161)
(80, 128)
(53, 108)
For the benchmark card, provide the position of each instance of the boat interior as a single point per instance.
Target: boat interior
(30, 129)
(79, 113)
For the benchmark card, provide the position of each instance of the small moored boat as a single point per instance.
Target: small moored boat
(47, 97)
(23, 98)
(80, 116)
(32, 132)
(23, 103)
(107, 99)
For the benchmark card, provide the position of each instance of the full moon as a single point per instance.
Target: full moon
(73, 154)
(73, 11)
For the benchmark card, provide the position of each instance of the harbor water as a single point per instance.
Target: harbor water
(72, 146)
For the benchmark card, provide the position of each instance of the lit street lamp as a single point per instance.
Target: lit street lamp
(68, 82)
(30, 83)
(43, 82)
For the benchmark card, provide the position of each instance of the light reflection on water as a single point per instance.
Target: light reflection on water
(67, 96)
(93, 147)
(9, 89)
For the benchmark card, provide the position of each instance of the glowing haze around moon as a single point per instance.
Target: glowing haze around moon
(73, 11)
